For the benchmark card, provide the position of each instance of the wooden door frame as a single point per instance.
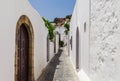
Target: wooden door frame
(25, 20)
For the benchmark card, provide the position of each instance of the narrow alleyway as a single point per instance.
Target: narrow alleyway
(60, 68)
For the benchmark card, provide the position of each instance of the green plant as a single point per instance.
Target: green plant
(61, 43)
(67, 28)
(50, 28)
(66, 32)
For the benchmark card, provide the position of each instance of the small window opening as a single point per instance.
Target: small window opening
(85, 27)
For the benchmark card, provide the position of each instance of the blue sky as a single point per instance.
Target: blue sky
(53, 8)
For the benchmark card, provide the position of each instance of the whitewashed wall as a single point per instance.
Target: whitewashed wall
(10, 12)
(57, 43)
(105, 40)
(79, 17)
(101, 62)
(51, 50)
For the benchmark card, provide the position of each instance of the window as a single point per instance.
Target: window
(85, 27)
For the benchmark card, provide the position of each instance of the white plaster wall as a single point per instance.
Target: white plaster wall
(57, 43)
(51, 50)
(73, 25)
(62, 34)
(105, 40)
(79, 17)
(56, 39)
(11, 10)
(61, 30)
(82, 18)
(7, 45)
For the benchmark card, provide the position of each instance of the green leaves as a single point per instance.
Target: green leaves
(67, 26)
(61, 43)
(66, 32)
(50, 28)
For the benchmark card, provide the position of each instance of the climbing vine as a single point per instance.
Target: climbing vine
(50, 28)
(67, 28)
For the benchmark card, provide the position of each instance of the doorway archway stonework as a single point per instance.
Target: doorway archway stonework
(24, 20)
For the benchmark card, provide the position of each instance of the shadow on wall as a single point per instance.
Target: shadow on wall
(48, 72)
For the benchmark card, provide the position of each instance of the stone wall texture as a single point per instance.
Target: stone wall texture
(105, 40)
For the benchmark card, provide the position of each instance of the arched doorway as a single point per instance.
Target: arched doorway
(71, 42)
(59, 39)
(77, 48)
(55, 44)
(48, 47)
(23, 53)
(24, 57)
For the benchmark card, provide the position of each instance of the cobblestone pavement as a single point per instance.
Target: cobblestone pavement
(65, 70)
(60, 68)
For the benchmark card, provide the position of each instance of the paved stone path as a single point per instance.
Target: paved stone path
(65, 70)
(48, 72)
(60, 68)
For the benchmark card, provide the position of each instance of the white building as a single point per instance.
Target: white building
(93, 47)
(21, 32)
(95, 34)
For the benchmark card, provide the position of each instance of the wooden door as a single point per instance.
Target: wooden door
(23, 52)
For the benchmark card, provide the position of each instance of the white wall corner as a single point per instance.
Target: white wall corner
(83, 76)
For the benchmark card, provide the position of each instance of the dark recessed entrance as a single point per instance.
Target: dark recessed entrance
(23, 54)
(77, 48)
(24, 50)
(48, 48)
(55, 44)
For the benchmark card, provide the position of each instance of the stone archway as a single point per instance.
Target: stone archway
(24, 59)
(77, 48)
